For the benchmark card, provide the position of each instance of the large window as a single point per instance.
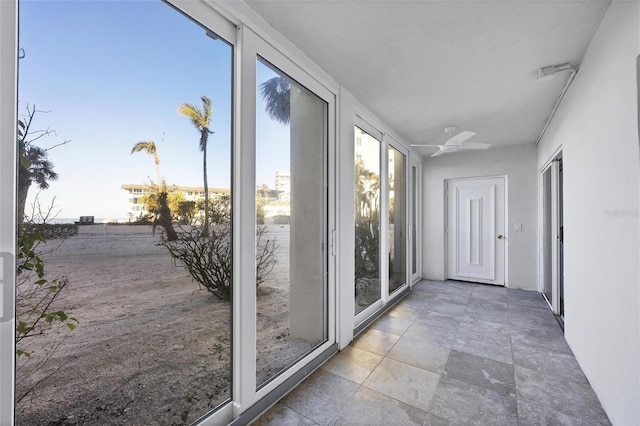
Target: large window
(128, 321)
(291, 212)
(380, 239)
(397, 219)
(414, 222)
(367, 220)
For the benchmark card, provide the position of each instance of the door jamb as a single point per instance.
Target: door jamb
(416, 208)
(554, 304)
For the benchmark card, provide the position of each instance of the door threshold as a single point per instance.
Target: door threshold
(559, 318)
(476, 282)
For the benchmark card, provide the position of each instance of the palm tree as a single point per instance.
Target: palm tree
(367, 222)
(150, 148)
(367, 190)
(34, 168)
(276, 94)
(200, 119)
(156, 202)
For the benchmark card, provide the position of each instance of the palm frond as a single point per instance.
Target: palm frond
(148, 146)
(191, 112)
(276, 93)
(40, 169)
(207, 110)
(199, 118)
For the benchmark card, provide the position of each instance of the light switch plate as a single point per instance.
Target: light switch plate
(517, 227)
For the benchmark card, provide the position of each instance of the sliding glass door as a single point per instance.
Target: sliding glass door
(415, 228)
(291, 221)
(552, 235)
(367, 220)
(397, 203)
(286, 258)
(381, 220)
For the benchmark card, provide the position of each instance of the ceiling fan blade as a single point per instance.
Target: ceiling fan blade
(423, 145)
(475, 145)
(459, 138)
(438, 153)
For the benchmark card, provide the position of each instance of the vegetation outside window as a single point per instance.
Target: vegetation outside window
(367, 220)
(397, 219)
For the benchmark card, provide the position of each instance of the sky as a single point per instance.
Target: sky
(108, 74)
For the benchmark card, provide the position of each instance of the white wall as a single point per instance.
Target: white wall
(519, 165)
(596, 125)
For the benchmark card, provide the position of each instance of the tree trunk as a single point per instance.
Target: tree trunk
(157, 161)
(164, 217)
(205, 229)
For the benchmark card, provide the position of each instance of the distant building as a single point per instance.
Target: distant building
(283, 185)
(283, 181)
(266, 194)
(191, 193)
(370, 156)
(275, 202)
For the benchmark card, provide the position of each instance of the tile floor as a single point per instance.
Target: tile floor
(450, 353)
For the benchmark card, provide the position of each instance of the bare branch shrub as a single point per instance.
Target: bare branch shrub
(209, 259)
(265, 254)
(40, 322)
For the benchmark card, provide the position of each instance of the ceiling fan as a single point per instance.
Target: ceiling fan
(457, 142)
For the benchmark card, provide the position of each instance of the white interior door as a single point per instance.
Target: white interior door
(476, 230)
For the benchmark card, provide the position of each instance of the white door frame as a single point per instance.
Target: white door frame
(415, 202)
(8, 119)
(372, 131)
(245, 392)
(553, 166)
(390, 142)
(386, 141)
(506, 222)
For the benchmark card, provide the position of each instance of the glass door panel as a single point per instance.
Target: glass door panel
(552, 241)
(414, 222)
(133, 235)
(397, 219)
(560, 240)
(291, 228)
(367, 220)
(548, 237)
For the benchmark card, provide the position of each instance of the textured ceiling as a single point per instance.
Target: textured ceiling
(424, 65)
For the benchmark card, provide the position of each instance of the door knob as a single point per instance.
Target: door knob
(500, 237)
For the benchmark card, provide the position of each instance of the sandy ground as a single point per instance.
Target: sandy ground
(151, 347)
